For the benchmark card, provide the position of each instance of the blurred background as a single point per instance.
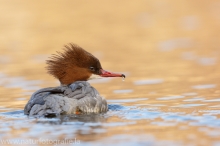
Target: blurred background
(168, 49)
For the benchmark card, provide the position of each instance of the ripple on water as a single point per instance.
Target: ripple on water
(170, 97)
(212, 100)
(188, 105)
(215, 106)
(123, 91)
(188, 56)
(206, 120)
(113, 124)
(164, 123)
(127, 100)
(40, 58)
(149, 82)
(207, 61)
(56, 127)
(169, 45)
(190, 94)
(206, 86)
(5, 59)
(129, 140)
(19, 82)
(154, 105)
(21, 99)
(194, 99)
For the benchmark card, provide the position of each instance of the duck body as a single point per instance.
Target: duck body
(78, 97)
(75, 95)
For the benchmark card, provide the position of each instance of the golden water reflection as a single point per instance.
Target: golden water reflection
(169, 51)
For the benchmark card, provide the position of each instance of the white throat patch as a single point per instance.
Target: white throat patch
(94, 76)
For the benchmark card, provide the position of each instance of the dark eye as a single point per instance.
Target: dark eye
(92, 68)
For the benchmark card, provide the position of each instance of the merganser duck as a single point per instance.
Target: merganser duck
(73, 68)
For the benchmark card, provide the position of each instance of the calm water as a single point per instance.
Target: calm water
(169, 51)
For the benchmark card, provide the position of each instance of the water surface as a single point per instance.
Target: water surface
(168, 50)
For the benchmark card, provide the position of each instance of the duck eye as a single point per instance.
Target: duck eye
(92, 68)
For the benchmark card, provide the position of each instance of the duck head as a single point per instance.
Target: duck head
(76, 64)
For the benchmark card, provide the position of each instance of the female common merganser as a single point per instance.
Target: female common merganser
(72, 68)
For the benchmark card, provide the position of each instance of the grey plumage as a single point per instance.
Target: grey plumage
(79, 96)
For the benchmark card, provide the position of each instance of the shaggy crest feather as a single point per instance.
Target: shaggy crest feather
(72, 56)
